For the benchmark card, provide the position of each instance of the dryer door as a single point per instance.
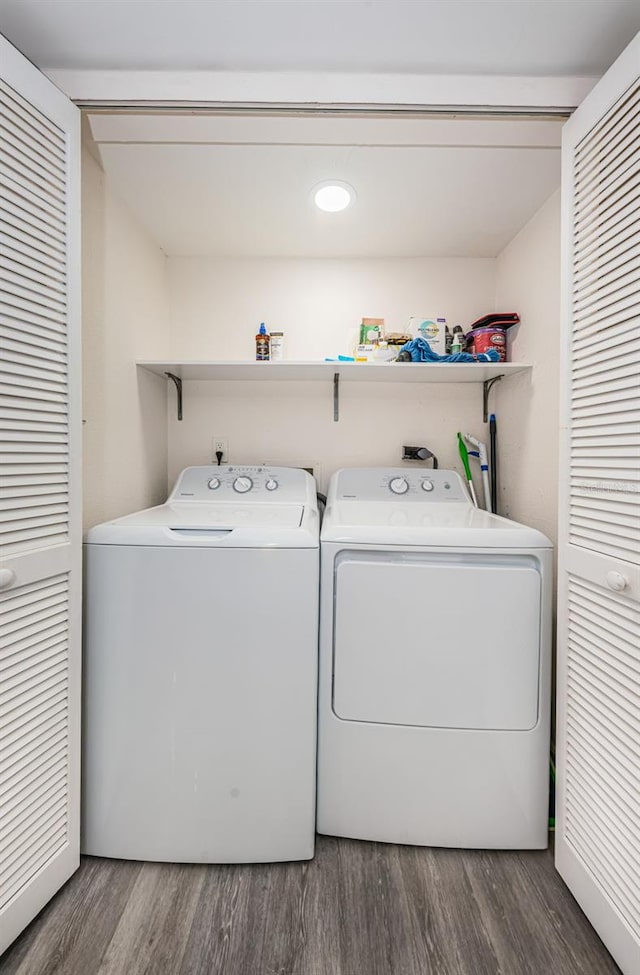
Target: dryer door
(448, 641)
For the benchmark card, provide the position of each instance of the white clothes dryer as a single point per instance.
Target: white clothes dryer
(200, 672)
(435, 656)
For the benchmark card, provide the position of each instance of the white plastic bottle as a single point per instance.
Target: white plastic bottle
(277, 346)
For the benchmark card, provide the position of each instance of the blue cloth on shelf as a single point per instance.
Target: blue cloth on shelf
(420, 351)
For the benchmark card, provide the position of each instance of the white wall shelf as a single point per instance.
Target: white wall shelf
(396, 372)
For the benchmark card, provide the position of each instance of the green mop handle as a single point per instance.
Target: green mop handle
(464, 456)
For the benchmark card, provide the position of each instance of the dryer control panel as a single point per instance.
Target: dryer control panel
(399, 484)
(244, 482)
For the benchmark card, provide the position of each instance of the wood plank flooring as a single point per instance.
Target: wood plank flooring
(357, 909)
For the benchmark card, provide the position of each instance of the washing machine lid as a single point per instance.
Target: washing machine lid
(243, 525)
(363, 508)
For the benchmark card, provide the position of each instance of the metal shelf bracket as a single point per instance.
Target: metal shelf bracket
(486, 388)
(336, 397)
(178, 382)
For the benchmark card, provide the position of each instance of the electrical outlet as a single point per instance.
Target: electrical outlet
(220, 444)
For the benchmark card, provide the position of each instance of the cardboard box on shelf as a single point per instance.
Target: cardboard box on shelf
(432, 329)
(371, 331)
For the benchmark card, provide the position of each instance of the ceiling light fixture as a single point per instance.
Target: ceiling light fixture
(333, 195)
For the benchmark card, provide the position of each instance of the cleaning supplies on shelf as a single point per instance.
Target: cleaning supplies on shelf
(432, 330)
(372, 346)
(419, 350)
(276, 347)
(490, 332)
(371, 331)
(458, 340)
(262, 344)
(490, 337)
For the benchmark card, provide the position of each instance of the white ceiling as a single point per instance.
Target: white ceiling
(241, 187)
(494, 37)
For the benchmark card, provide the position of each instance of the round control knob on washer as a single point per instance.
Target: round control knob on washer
(271, 484)
(242, 484)
(398, 485)
(213, 484)
(427, 485)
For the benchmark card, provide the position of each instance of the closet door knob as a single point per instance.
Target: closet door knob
(7, 578)
(616, 581)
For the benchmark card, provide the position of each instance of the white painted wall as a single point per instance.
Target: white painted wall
(124, 318)
(216, 307)
(218, 304)
(528, 281)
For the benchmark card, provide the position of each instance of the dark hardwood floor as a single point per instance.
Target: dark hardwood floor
(357, 909)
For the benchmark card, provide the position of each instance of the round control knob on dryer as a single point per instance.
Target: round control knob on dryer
(213, 484)
(427, 485)
(242, 484)
(271, 484)
(398, 485)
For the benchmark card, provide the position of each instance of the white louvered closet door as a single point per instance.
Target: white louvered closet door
(598, 728)
(40, 532)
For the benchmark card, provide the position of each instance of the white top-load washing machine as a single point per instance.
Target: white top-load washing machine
(200, 672)
(434, 694)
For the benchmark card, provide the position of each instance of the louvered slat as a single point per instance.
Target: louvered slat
(32, 132)
(626, 281)
(37, 205)
(36, 337)
(622, 396)
(39, 293)
(33, 728)
(618, 200)
(24, 272)
(603, 737)
(33, 366)
(618, 213)
(14, 171)
(603, 340)
(15, 162)
(607, 132)
(602, 264)
(26, 113)
(623, 273)
(32, 221)
(49, 314)
(608, 178)
(38, 151)
(29, 250)
(604, 464)
(36, 370)
(610, 239)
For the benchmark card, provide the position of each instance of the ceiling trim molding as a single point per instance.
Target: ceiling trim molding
(327, 92)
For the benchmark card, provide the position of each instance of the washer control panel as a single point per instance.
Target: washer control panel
(212, 483)
(399, 484)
